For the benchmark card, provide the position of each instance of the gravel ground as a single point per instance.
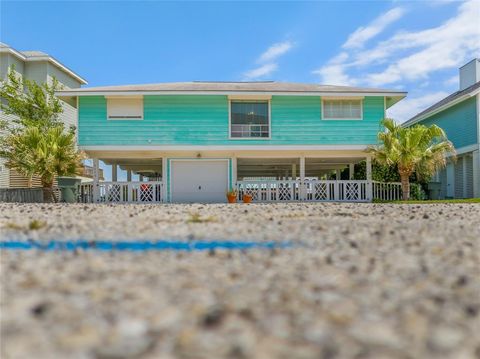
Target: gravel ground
(365, 281)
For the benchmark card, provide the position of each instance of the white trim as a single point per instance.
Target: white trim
(250, 97)
(323, 118)
(69, 93)
(465, 149)
(9, 50)
(249, 138)
(441, 108)
(338, 147)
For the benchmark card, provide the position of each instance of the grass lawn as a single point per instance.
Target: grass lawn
(465, 200)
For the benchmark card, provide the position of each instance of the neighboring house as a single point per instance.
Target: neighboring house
(459, 116)
(39, 67)
(193, 141)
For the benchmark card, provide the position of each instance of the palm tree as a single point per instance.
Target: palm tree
(418, 149)
(44, 154)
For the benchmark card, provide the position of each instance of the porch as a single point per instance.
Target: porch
(282, 179)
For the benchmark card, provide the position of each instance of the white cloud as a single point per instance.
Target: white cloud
(446, 46)
(409, 107)
(267, 62)
(275, 51)
(452, 81)
(358, 38)
(408, 56)
(261, 71)
(333, 73)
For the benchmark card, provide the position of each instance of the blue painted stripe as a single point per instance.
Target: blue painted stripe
(139, 245)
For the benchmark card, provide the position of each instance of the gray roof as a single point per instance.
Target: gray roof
(224, 86)
(34, 53)
(450, 98)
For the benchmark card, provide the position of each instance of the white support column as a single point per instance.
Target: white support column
(476, 173)
(369, 179)
(96, 176)
(338, 174)
(294, 171)
(351, 171)
(141, 178)
(234, 172)
(302, 193)
(114, 172)
(165, 179)
(129, 176)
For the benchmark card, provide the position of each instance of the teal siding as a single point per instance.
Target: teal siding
(203, 120)
(459, 122)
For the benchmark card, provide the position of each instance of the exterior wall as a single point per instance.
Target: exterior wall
(66, 80)
(36, 71)
(204, 120)
(459, 122)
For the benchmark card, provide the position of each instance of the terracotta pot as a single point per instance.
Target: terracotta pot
(232, 198)
(247, 198)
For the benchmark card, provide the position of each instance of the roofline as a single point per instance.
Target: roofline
(74, 93)
(47, 58)
(415, 120)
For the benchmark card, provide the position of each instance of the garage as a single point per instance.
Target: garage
(204, 181)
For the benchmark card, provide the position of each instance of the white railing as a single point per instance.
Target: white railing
(110, 192)
(343, 191)
(249, 131)
(387, 191)
(270, 191)
(309, 190)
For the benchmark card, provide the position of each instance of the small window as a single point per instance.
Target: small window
(126, 108)
(350, 109)
(249, 119)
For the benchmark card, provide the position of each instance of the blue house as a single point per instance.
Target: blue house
(459, 115)
(194, 141)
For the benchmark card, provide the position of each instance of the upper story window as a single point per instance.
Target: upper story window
(342, 109)
(125, 108)
(249, 119)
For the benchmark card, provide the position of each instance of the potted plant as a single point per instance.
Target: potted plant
(247, 198)
(232, 196)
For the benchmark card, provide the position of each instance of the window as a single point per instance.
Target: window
(347, 109)
(249, 119)
(125, 108)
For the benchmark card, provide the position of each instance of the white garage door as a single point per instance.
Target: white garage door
(199, 181)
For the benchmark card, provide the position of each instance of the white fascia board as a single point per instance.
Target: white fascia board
(441, 108)
(9, 50)
(339, 147)
(71, 93)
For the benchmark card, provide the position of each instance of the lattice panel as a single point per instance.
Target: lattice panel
(147, 193)
(351, 191)
(321, 192)
(114, 194)
(284, 193)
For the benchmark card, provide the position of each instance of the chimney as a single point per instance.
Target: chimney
(469, 74)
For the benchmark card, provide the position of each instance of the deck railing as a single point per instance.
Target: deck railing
(309, 190)
(111, 192)
(387, 191)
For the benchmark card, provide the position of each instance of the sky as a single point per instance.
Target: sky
(415, 46)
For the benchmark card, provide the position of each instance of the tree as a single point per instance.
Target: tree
(31, 104)
(35, 142)
(418, 149)
(44, 154)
